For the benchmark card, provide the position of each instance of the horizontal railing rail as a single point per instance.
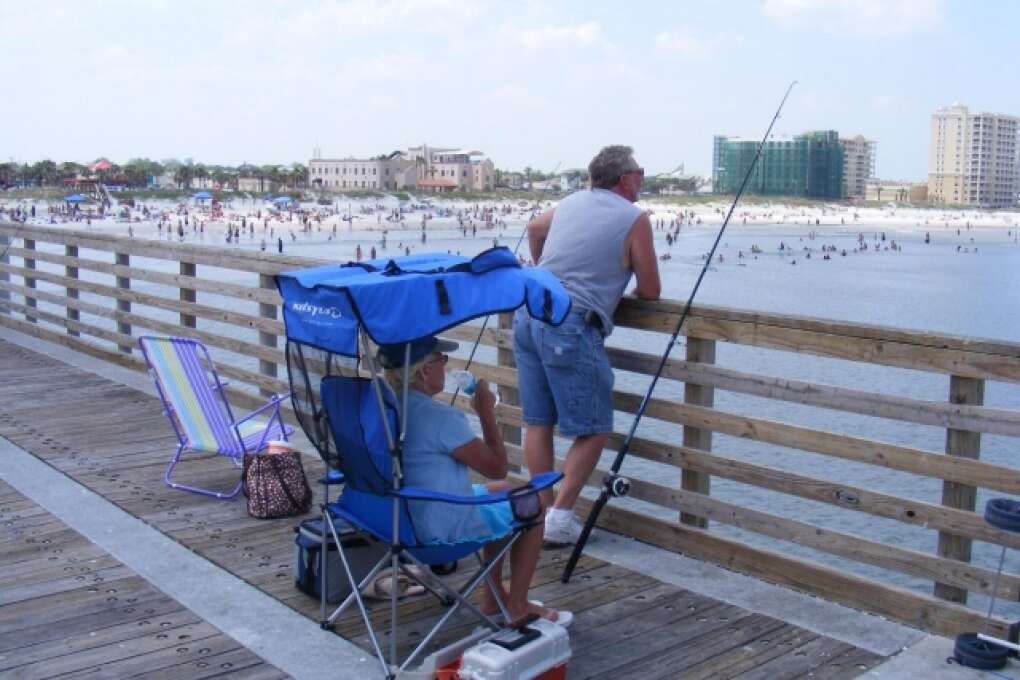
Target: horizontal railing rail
(97, 293)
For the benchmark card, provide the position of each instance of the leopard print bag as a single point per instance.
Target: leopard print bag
(275, 485)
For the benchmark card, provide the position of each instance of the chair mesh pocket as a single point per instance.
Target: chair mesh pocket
(525, 503)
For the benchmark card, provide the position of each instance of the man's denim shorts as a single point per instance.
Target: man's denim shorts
(563, 375)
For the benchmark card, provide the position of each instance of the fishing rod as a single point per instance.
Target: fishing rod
(613, 485)
(485, 321)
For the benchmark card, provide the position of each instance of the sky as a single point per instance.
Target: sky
(530, 83)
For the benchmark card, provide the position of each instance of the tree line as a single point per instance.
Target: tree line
(138, 172)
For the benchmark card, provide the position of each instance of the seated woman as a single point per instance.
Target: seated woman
(439, 448)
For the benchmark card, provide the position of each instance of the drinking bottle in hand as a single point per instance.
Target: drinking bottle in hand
(465, 381)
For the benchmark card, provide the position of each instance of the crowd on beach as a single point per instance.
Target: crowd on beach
(369, 227)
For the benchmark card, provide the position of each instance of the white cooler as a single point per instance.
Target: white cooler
(539, 650)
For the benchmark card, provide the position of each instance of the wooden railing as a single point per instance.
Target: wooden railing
(97, 293)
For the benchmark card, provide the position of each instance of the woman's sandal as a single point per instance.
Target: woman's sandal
(381, 587)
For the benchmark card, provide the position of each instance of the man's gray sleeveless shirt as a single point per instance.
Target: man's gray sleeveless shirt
(584, 249)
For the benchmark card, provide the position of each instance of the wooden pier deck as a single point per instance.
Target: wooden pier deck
(115, 441)
(69, 609)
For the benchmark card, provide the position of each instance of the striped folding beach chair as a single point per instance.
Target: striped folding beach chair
(197, 407)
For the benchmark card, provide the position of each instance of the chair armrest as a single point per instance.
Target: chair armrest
(273, 402)
(541, 481)
(417, 494)
(544, 480)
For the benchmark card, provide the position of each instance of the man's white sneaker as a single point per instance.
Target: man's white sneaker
(560, 532)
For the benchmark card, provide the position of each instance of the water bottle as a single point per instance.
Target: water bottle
(465, 381)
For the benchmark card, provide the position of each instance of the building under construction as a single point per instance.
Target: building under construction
(809, 165)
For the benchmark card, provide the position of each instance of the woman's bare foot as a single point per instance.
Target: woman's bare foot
(517, 616)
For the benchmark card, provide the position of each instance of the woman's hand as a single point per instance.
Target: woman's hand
(483, 399)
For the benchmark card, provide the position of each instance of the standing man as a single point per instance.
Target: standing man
(593, 241)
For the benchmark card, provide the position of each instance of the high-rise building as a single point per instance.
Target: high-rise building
(973, 158)
(858, 165)
(808, 165)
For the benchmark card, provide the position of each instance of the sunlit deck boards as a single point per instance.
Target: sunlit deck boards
(69, 609)
(115, 441)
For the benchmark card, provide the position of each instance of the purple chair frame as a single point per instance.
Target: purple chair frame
(196, 405)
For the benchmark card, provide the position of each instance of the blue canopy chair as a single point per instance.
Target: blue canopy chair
(334, 315)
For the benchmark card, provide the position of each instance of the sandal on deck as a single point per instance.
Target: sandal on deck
(381, 587)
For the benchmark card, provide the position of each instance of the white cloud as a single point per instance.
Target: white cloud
(868, 18)
(686, 43)
(330, 20)
(587, 34)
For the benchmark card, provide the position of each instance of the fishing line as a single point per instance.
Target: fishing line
(613, 484)
(485, 321)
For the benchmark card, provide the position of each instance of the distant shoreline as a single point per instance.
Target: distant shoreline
(752, 212)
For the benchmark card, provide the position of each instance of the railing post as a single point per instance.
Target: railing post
(29, 281)
(267, 339)
(508, 395)
(965, 444)
(188, 295)
(71, 272)
(701, 351)
(5, 258)
(124, 282)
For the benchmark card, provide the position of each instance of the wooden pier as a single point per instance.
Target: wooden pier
(68, 608)
(112, 439)
(96, 293)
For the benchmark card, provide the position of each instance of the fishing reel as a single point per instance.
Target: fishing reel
(616, 485)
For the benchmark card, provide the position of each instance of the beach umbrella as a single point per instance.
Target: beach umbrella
(283, 200)
(202, 195)
(75, 198)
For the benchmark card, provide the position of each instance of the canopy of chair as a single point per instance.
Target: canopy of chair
(406, 298)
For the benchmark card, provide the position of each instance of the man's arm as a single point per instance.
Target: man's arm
(642, 260)
(538, 231)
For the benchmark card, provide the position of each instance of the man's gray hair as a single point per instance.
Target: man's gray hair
(610, 164)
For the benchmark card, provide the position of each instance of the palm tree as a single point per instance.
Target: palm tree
(183, 175)
(270, 174)
(300, 174)
(45, 172)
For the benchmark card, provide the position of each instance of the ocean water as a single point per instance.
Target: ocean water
(934, 287)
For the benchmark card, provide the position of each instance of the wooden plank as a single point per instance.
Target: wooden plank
(837, 543)
(921, 411)
(259, 263)
(27, 275)
(507, 395)
(967, 445)
(811, 655)
(894, 602)
(972, 357)
(188, 295)
(740, 632)
(850, 664)
(124, 297)
(783, 640)
(840, 445)
(848, 496)
(267, 339)
(652, 635)
(112, 623)
(698, 351)
(71, 272)
(184, 280)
